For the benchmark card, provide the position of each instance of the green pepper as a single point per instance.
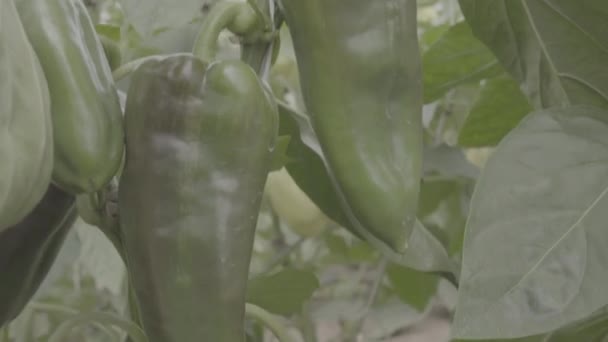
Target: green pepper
(361, 81)
(199, 140)
(26, 134)
(29, 248)
(87, 120)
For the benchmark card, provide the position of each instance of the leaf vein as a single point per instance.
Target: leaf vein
(567, 233)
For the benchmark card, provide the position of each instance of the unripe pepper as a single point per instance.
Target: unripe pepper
(199, 143)
(26, 134)
(87, 120)
(361, 81)
(29, 248)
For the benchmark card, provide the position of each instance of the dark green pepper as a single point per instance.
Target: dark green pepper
(361, 80)
(29, 248)
(26, 134)
(87, 120)
(199, 143)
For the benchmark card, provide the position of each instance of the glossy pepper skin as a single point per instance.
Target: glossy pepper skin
(199, 145)
(26, 133)
(87, 120)
(29, 248)
(361, 81)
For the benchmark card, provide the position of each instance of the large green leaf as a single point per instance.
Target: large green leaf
(535, 244)
(556, 49)
(455, 58)
(499, 108)
(592, 329)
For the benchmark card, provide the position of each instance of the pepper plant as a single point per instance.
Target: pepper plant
(303, 170)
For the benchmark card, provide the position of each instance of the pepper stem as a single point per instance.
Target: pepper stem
(259, 54)
(238, 17)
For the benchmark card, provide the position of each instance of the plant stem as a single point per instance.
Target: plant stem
(268, 320)
(371, 299)
(258, 54)
(222, 16)
(307, 325)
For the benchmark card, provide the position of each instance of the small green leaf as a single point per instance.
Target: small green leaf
(432, 34)
(279, 157)
(336, 244)
(500, 107)
(413, 287)
(448, 162)
(343, 252)
(282, 293)
(456, 58)
(110, 31)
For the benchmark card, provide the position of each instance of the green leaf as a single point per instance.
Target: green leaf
(161, 27)
(556, 49)
(305, 166)
(336, 244)
(456, 58)
(433, 193)
(432, 34)
(152, 17)
(343, 252)
(279, 158)
(110, 31)
(448, 162)
(442, 210)
(592, 329)
(536, 338)
(451, 112)
(307, 169)
(535, 242)
(413, 287)
(284, 292)
(500, 107)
